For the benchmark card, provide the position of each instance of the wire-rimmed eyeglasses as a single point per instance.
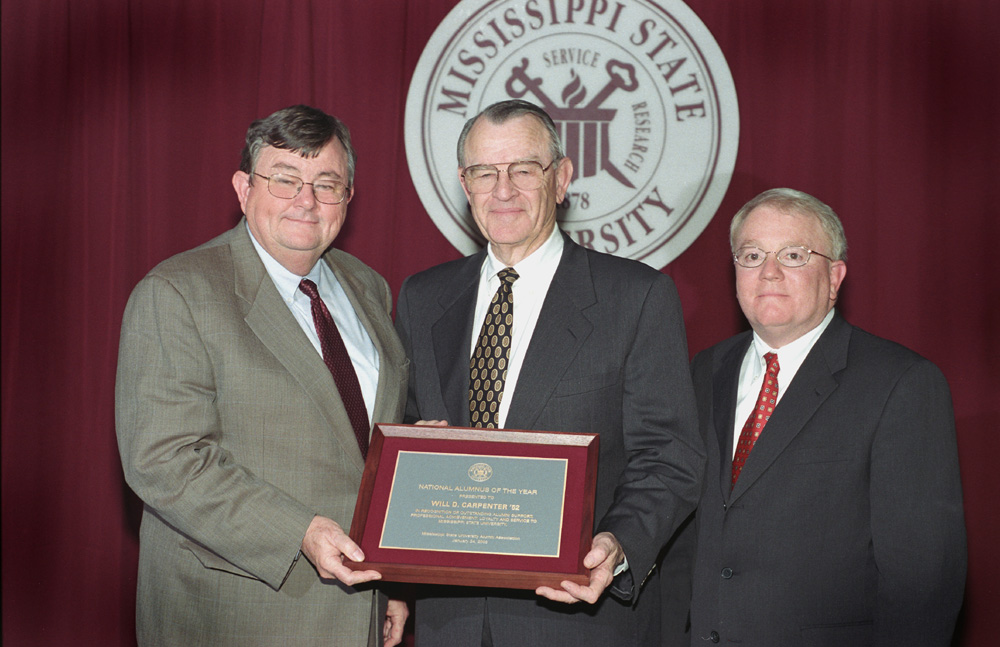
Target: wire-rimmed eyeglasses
(791, 256)
(286, 187)
(526, 175)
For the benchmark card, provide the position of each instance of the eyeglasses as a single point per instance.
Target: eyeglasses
(527, 175)
(286, 187)
(793, 256)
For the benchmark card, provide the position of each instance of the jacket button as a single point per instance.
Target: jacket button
(727, 573)
(714, 636)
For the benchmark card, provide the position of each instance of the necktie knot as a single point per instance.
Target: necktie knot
(508, 275)
(309, 289)
(772, 363)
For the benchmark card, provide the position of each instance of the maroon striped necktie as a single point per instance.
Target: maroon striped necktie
(339, 362)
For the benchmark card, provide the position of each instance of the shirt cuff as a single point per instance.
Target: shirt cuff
(621, 568)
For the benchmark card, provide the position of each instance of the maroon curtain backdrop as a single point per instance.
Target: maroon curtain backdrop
(122, 124)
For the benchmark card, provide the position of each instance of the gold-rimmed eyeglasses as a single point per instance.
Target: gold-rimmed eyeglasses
(286, 187)
(526, 175)
(791, 256)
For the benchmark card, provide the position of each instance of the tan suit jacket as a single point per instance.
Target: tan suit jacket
(232, 433)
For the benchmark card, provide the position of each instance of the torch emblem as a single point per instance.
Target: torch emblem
(584, 130)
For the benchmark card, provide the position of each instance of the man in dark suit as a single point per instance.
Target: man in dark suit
(832, 507)
(245, 448)
(596, 344)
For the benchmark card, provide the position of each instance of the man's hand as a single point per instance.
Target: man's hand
(605, 554)
(395, 620)
(432, 423)
(326, 544)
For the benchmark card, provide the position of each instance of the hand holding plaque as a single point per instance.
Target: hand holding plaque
(326, 546)
(602, 560)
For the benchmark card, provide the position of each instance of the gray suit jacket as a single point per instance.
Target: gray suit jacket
(232, 433)
(845, 526)
(608, 356)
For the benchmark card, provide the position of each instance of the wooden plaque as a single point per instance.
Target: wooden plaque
(476, 507)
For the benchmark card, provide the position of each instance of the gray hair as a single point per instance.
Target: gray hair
(504, 111)
(792, 201)
(299, 129)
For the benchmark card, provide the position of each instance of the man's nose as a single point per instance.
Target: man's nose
(504, 187)
(771, 268)
(306, 197)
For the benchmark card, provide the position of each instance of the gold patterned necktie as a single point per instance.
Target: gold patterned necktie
(766, 401)
(488, 367)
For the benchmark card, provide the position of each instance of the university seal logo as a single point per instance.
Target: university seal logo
(480, 472)
(640, 91)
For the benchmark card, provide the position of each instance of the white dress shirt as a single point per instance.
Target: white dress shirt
(359, 345)
(534, 277)
(790, 358)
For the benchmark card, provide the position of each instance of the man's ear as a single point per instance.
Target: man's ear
(461, 180)
(241, 183)
(838, 270)
(564, 174)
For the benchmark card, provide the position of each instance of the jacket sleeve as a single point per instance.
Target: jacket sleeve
(918, 528)
(661, 482)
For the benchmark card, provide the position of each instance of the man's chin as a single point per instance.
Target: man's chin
(303, 245)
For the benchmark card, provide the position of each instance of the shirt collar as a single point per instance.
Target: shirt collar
(285, 281)
(792, 355)
(542, 260)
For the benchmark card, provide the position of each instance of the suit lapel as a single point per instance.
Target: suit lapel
(451, 335)
(561, 330)
(368, 308)
(812, 385)
(269, 318)
(725, 382)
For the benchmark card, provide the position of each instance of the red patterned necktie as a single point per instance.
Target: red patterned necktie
(488, 366)
(758, 417)
(339, 362)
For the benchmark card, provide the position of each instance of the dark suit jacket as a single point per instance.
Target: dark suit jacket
(607, 356)
(845, 527)
(232, 433)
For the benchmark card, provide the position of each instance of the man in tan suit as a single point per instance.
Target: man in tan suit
(243, 445)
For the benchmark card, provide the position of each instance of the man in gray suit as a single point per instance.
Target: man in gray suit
(245, 448)
(596, 345)
(832, 508)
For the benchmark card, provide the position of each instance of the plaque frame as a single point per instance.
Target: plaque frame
(470, 568)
